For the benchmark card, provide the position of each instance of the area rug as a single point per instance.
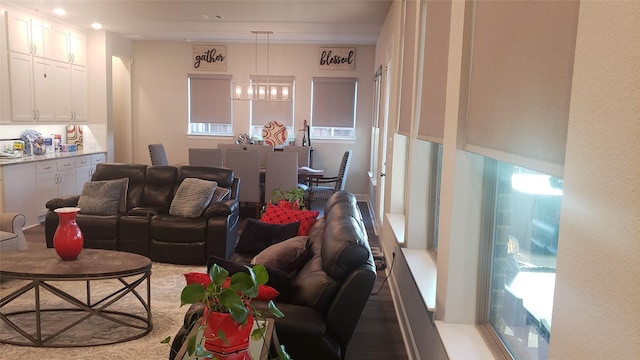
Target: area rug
(167, 281)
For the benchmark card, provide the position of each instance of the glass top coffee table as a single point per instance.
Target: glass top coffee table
(97, 299)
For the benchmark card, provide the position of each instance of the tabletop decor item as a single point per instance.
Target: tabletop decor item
(274, 133)
(68, 239)
(228, 315)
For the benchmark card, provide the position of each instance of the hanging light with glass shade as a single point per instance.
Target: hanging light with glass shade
(263, 87)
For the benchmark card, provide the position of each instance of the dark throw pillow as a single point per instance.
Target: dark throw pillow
(105, 197)
(288, 256)
(257, 235)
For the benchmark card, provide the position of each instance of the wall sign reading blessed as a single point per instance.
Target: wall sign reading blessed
(209, 57)
(337, 58)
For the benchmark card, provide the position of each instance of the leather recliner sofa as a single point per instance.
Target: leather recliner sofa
(146, 227)
(330, 291)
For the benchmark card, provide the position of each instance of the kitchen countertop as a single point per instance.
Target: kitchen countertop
(33, 158)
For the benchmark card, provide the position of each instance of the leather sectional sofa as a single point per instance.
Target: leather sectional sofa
(146, 226)
(329, 291)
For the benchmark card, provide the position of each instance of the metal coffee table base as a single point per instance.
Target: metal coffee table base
(35, 327)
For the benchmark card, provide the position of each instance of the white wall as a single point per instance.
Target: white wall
(596, 310)
(160, 101)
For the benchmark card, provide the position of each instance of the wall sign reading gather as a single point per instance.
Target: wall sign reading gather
(337, 58)
(209, 57)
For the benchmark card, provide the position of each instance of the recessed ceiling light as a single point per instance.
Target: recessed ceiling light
(96, 26)
(59, 11)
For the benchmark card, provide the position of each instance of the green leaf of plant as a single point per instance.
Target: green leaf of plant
(223, 337)
(191, 345)
(262, 275)
(218, 274)
(192, 294)
(273, 309)
(166, 340)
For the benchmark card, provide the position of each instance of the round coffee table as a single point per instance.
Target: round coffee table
(56, 316)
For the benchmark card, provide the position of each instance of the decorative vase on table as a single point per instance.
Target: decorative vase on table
(236, 335)
(68, 239)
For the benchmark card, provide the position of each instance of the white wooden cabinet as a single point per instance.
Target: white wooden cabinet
(78, 93)
(47, 69)
(70, 97)
(21, 75)
(54, 178)
(29, 33)
(85, 167)
(18, 195)
(32, 88)
(69, 44)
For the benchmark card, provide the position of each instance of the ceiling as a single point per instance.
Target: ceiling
(291, 21)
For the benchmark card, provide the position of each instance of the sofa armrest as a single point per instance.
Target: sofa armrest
(222, 208)
(67, 201)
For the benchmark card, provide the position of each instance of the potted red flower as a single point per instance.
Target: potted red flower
(228, 316)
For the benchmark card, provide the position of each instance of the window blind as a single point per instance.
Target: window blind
(210, 98)
(520, 83)
(407, 85)
(264, 111)
(434, 72)
(334, 101)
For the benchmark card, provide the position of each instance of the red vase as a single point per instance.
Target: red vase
(237, 335)
(68, 239)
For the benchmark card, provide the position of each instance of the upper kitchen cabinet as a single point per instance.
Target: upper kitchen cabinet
(47, 69)
(29, 33)
(69, 44)
(32, 88)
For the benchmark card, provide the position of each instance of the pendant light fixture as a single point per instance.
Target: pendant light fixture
(262, 87)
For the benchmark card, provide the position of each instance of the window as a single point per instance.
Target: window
(333, 108)
(526, 216)
(265, 107)
(209, 104)
(434, 190)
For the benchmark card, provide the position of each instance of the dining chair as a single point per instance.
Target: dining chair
(304, 154)
(281, 172)
(245, 165)
(322, 188)
(205, 157)
(262, 151)
(224, 148)
(158, 155)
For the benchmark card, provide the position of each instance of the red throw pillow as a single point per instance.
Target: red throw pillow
(265, 292)
(279, 215)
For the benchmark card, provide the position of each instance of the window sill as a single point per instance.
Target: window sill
(463, 342)
(423, 268)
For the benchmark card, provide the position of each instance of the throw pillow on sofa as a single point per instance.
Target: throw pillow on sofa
(289, 255)
(192, 197)
(275, 214)
(105, 197)
(257, 236)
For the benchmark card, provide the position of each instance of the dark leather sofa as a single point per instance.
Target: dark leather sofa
(146, 227)
(329, 292)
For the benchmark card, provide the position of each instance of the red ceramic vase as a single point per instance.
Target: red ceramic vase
(237, 335)
(68, 239)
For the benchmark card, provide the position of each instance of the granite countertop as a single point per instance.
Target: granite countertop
(57, 155)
